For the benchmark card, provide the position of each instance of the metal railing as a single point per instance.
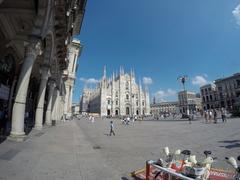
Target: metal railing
(170, 173)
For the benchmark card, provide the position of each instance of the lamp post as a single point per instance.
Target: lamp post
(182, 79)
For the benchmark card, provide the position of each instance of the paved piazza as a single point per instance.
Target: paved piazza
(80, 149)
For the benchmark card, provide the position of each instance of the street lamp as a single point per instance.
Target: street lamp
(182, 79)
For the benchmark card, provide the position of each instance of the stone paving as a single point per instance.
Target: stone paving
(83, 150)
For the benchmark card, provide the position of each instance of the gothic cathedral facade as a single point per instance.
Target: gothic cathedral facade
(116, 96)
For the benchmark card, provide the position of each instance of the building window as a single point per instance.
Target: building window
(136, 103)
(143, 103)
(127, 96)
(127, 85)
(109, 102)
(206, 92)
(116, 102)
(207, 98)
(117, 94)
(238, 83)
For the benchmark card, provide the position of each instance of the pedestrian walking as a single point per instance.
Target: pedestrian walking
(210, 115)
(135, 118)
(111, 129)
(93, 119)
(123, 120)
(206, 116)
(190, 119)
(128, 120)
(223, 113)
(215, 116)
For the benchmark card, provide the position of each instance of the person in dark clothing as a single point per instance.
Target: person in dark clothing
(111, 129)
(215, 116)
(224, 114)
(3, 121)
(190, 118)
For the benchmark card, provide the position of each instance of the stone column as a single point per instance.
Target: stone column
(55, 107)
(41, 97)
(49, 103)
(70, 100)
(66, 101)
(18, 113)
(62, 109)
(54, 102)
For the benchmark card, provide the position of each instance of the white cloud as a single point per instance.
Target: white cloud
(147, 80)
(236, 14)
(199, 80)
(89, 80)
(161, 94)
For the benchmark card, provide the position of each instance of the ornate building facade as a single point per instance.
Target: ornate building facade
(69, 75)
(164, 107)
(35, 37)
(224, 93)
(189, 102)
(116, 96)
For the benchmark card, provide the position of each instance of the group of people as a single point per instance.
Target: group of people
(213, 114)
(126, 120)
(91, 119)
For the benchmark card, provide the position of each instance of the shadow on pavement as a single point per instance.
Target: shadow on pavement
(168, 120)
(2, 138)
(230, 144)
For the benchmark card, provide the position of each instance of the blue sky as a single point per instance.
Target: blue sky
(160, 39)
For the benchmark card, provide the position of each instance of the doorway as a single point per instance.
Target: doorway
(108, 112)
(127, 111)
(137, 112)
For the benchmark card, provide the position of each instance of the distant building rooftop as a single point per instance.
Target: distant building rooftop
(164, 103)
(188, 92)
(227, 78)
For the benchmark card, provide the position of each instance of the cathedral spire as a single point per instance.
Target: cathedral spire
(120, 71)
(132, 73)
(104, 72)
(113, 75)
(140, 84)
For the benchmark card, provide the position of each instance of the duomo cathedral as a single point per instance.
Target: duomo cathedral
(119, 95)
